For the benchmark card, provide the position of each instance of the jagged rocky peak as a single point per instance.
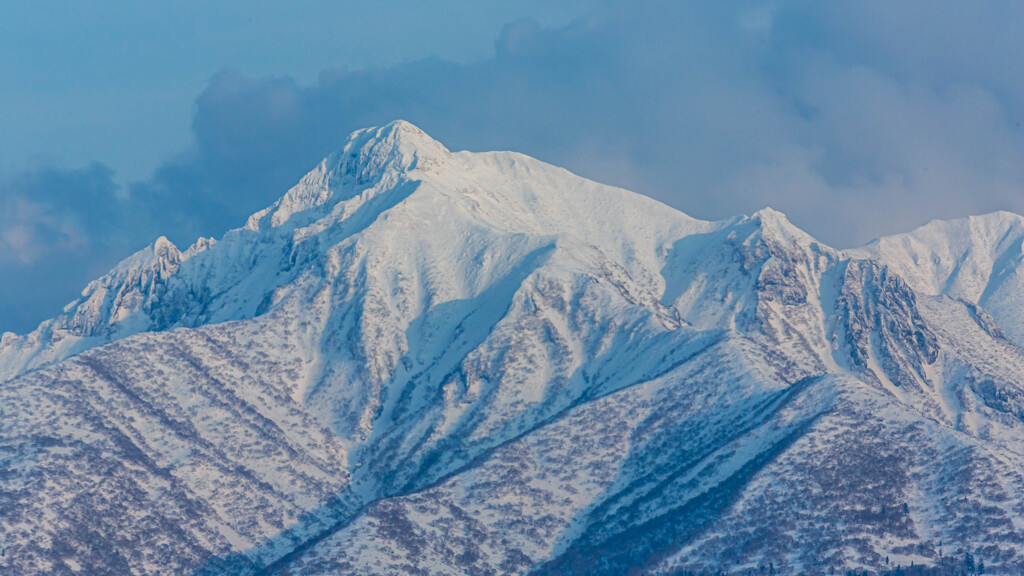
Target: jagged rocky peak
(789, 261)
(123, 291)
(161, 256)
(137, 272)
(200, 245)
(115, 305)
(372, 157)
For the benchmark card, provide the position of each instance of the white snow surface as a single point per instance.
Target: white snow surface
(436, 362)
(977, 258)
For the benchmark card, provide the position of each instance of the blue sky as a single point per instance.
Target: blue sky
(115, 81)
(122, 121)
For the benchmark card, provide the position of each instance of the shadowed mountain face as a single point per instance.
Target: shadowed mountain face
(427, 362)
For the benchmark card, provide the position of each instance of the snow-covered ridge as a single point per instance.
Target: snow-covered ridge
(420, 360)
(378, 174)
(978, 259)
(111, 307)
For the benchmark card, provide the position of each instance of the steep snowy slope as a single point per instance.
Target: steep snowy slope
(419, 361)
(977, 259)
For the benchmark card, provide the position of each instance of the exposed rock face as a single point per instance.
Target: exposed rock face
(427, 362)
(879, 328)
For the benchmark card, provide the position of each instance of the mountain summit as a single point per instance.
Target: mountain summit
(435, 362)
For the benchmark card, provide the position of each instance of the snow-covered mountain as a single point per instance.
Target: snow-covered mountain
(977, 259)
(427, 362)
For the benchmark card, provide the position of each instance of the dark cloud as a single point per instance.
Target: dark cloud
(855, 118)
(59, 228)
(48, 210)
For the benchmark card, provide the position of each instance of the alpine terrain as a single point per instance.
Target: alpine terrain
(428, 362)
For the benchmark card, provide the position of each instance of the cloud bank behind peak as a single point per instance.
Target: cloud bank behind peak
(855, 119)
